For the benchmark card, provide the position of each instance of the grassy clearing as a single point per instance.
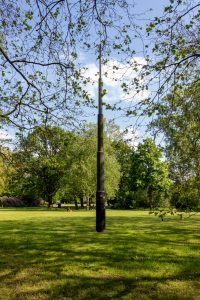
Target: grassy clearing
(58, 255)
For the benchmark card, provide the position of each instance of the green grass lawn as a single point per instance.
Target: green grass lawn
(58, 255)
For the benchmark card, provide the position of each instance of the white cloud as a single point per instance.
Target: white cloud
(132, 136)
(115, 73)
(4, 136)
(81, 56)
(91, 73)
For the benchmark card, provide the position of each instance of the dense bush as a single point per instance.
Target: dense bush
(30, 199)
(124, 200)
(139, 199)
(11, 202)
(15, 202)
(185, 195)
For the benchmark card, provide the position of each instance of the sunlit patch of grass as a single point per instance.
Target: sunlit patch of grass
(52, 254)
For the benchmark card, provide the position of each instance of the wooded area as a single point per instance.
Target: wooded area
(51, 149)
(55, 161)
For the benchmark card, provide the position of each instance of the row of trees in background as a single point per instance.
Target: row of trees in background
(60, 166)
(38, 39)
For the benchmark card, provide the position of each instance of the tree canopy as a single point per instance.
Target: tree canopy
(54, 164)
(40, 162)
(44, 86)
(178, 120)
(40, 44)
(149, 172)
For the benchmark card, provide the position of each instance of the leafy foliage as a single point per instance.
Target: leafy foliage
(176, 44)
(145, 178)
(40, 45)
(149, 172)
(58, 165)
(5, 170)
(40, 163)
(10, 202)
(178, 120)
(80, 179)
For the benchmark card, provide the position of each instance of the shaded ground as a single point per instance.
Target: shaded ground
(58, 255)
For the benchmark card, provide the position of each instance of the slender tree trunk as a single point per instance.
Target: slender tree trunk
(88, 202)
(82, 204)
(76, 203)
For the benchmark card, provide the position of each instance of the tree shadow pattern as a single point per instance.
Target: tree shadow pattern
(64, 258)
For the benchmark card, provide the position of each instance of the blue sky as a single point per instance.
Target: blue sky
(146, 11)
(113, 91)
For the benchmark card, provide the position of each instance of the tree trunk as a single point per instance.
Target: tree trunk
(82, 204)
(88, 202)
(76, 203)
(50, 201)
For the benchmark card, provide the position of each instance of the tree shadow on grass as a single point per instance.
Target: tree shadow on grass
(136, 258)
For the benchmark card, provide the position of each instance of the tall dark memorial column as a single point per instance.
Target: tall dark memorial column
(100, 194)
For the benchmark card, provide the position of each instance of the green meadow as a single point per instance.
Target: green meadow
(52, 254)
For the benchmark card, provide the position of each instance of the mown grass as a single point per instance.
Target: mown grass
(58, 255)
